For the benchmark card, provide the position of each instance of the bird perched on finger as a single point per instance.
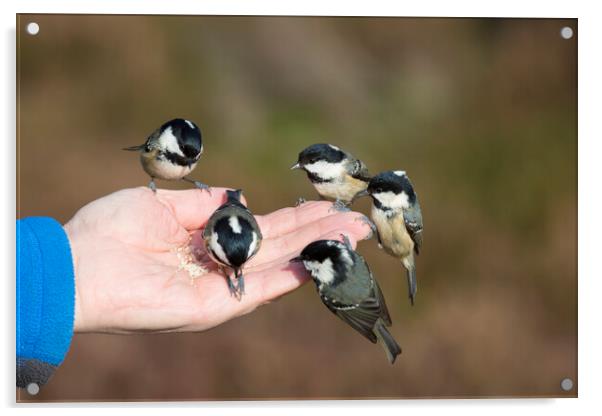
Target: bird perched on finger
(348, 289)
(232, 237)
(398, 219)
(335, 174)
(171, 152)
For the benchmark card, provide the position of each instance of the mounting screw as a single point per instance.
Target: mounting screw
(32, 28)
(33, 389)
(566, 32)
(566, 384)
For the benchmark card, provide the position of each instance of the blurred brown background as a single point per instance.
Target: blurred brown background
(482, 114)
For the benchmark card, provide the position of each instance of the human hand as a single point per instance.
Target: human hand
(127, 272)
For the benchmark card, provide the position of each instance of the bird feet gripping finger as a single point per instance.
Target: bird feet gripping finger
(233, 290)
(241, 286)
(339, 206)
(300, 201)
(152, 185)
(202, 187)
(347, 242)
(199, 185)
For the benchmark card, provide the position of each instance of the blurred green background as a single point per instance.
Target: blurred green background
(482, 113)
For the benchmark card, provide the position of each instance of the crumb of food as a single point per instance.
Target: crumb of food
(189, 263)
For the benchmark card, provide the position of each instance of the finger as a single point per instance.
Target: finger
(266, 285)
(332, 235)
(297, 239)
(193, 207)
(285, 220)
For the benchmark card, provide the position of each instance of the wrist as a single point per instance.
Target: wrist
(45, 290)
(78, 321)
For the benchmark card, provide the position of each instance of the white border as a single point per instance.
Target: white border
(507, 8)
(589, 35)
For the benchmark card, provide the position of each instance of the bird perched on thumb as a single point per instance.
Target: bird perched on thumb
(171, 152)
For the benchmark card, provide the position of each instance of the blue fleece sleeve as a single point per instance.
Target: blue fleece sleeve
(45, 298)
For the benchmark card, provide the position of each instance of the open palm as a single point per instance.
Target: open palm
(128, 264)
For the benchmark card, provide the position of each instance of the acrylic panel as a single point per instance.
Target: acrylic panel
(481, 113)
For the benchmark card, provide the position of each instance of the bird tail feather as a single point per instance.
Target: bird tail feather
(412, 284)
(408, 263)
(234, 195)
(392, 349)
(134, 148)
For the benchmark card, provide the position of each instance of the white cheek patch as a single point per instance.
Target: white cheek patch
(323, 272)
(217, 249)
(234, 224)
(392, 200)
(400, 172)
(326, 170)
(252, 246)
(190, 124)
(404, 200)
(168, 141)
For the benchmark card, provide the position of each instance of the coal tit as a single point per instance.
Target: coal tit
(171, 152)
(232, 236)
(336, 175)
(348, 289)
(398, 219)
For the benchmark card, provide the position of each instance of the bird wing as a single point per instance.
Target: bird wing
(248, 215)
(363, 269)
(384, 311)
(359, 170)
(209, 226)
(362, 316)
(217, 215)
(412, 218)
(151, 141)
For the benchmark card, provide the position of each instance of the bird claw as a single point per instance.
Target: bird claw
(347, 242)
(300, 202)
(237, 290)
(198, 184)
(202, 186)
(233, 290)
(241, 286)
(339, 206)
(152, 186)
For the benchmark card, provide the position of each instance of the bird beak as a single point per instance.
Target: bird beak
(363, 193)
(296, 166)
(297, 259)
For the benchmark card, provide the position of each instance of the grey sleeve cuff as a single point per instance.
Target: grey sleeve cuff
(33, 371)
